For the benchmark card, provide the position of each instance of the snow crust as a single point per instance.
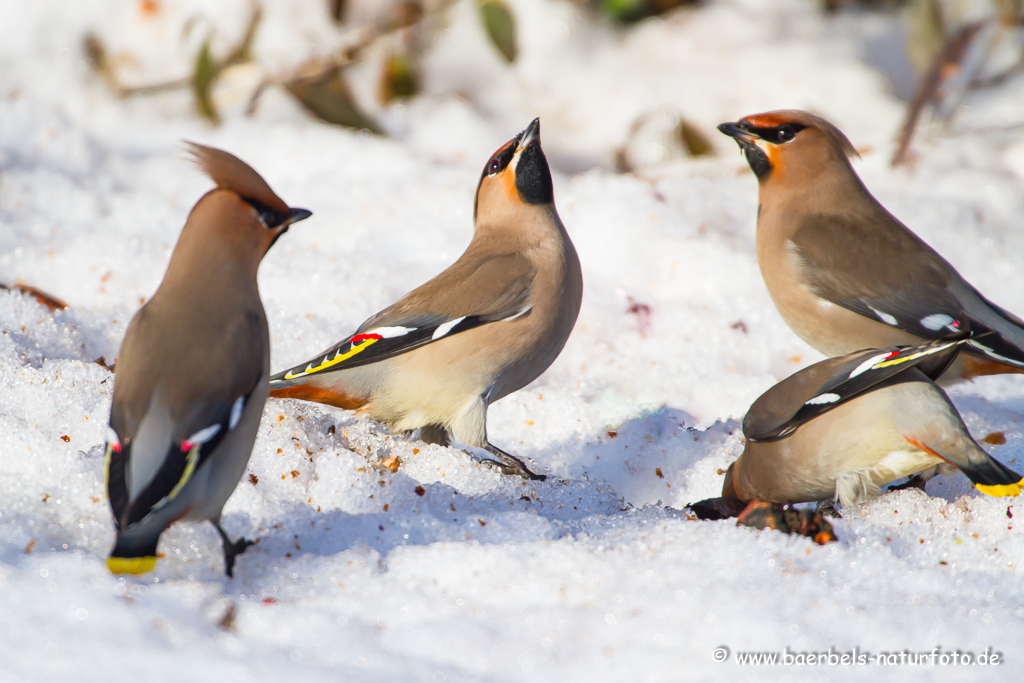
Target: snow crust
(445, 570)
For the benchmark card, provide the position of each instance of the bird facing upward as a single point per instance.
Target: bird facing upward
(843, 272)
(487, 326)
(846, 426)
(193, 367)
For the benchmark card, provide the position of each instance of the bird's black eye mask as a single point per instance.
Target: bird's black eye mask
(500, 160)
(756, 157)
(270, 218)
(777, 135)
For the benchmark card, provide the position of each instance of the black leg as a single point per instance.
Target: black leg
(231, 549)
(917, 481)
(827, 508)
(434, 434)
(509, 464)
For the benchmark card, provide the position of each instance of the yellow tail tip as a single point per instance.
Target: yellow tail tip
(1001, 490)
(130, 565)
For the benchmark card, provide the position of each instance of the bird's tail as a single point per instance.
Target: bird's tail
(997, 341)
(992, 477)
(988, 475)
(134, 552)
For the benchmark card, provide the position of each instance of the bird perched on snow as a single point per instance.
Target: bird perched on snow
(846, 426)
(192, 372)
(843, 272)
(487, 326)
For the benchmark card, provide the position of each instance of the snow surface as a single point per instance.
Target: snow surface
(445, 570)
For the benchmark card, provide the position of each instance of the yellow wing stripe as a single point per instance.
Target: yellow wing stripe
(334, 361)
(913, 356)
(190, 468)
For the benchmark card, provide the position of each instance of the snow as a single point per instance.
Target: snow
(445, 570)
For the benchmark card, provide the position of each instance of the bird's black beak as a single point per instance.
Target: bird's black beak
(531, 133)
(296, 215)
(740, 131)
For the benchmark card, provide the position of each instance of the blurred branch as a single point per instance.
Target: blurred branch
(955, 70)
(205, 68)
(319, 84)
(48, 300)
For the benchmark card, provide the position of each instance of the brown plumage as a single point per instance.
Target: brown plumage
(485, 327)
(193, 368)
(229, 172)
(846, 426)
(843, 272)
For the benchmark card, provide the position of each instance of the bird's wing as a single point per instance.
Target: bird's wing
(176, 396)
(469, 294)
(172, 461)
(874, 266)
(830, 383)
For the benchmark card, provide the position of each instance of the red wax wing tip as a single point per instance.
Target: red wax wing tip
(116, 446)
(893, 353)
(186, 446)
(363, 337)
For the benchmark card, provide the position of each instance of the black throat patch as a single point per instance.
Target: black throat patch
(533, 177)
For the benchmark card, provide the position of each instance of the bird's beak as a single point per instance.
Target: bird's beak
(296, 215)
(739, 132)
(531, 133)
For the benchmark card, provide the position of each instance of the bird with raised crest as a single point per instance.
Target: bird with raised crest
(192, 372)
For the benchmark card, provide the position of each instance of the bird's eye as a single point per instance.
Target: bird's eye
(493, 167)
(785, 133)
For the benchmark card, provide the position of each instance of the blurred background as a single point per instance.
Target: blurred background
(626, 85)
(378, 115)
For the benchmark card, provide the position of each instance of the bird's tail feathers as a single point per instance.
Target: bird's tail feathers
(133, 553)
(988, 475)
(992, 477)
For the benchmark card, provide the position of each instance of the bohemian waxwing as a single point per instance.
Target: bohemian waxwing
(192, 372)
(843, 272)
(487, 326)
(846, 426)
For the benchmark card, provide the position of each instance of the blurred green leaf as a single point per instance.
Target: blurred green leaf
(693, 140)
(500, 25)
(627, 11)
(326, 94)
(204, 75)
(398, 78)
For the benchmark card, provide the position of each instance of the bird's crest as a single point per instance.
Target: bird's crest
(779, 117)
(231, 173)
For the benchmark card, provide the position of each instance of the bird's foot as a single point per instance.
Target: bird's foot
(435, 434)
(232, 549)
(520, 470)
(914, 482)
(827, 508)
(509, 464)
